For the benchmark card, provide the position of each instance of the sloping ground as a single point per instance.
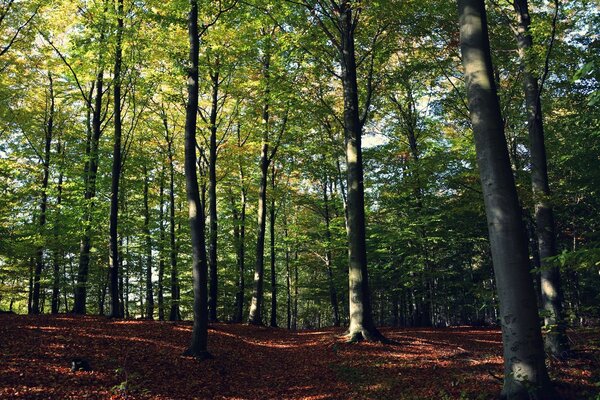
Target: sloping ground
(142, 360)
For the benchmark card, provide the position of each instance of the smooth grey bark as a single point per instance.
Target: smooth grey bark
(48, 131)
(148, 238)
(199, 340)
(525, 375)
(361, 318)
(554, 324)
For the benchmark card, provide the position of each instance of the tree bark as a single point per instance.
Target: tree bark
(556, 338)
(525, 374)
(361, 318)
(115, 307)
(39, 261)
(56, 276)
(89, 179)
(273, 254)
(198, 345)
(174, 312)
(239, 233)
(328, 258)
(255, 315)
(161, 247)
(149, 288)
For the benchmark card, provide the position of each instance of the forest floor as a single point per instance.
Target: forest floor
(142, 360)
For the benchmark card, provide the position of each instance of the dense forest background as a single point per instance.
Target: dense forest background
(270, 120)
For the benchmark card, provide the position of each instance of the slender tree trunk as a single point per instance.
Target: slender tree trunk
(361, 318)
(39, 262)
(174, 313)
(328, 258)
(287, 271)
(30, 292)
(90, 174)
(525, 374)
(198, 345)
(240, 235)
(272, 260)
(149, 288)
(255, 315)
(161, 247)
(56, 262)
(556, 338)
(212, 195)
(115, 307)
(295, 314)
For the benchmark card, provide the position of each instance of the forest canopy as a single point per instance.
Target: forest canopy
(251, 160)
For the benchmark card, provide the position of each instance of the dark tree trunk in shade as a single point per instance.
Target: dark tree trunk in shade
(239, 231)
(90, 173)
(288, 271)
(57, 249)
(273, 253)
(199, 340)
(556, 338)
(89, 177)
(255, 314)
(328, 257)
(361, 318)
(115, 306)
(48, 130)
(174, 312)
(148, 238)
(525, 374)
(212, 197)
(161, 246)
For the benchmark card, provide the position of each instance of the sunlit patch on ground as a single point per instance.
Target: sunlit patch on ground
(143, 360)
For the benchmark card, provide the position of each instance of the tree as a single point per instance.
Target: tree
(525, 372)
(266, 157)
(198, 345)
(48, 130)
(556, 339)
(115, 306)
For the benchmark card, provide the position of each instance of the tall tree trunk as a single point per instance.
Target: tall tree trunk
(272, 243)
(287, 270)
(525, 374)
(56, 262)
(556, 338)
(174, 313)
(89, 178)
(240, 237)
(161, 247)
(39, 261)
(115, 307)
(198, 345)
(255, 316)
(328, 258)
(149, 288)
(212, 197)
(361, 318)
